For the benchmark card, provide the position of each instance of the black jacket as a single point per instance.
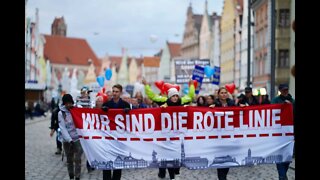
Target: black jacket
(120, 105)
(245, 100)
(170, 103)
(54, 118)
(218, 103)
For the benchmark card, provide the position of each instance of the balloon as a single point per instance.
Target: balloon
(108, 74)
(185, 88)
(185, 91)
(208, 71)
(159, 84)
(230, 87)
(195, 83)
(103, 94)
(100, 80)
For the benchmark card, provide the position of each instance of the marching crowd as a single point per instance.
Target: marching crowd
(67, 138)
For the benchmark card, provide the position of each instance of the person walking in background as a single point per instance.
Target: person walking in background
(284, 97)
(201, 101)
(71, 142)
(115, 103)
(249, 99)
(210, 100)
(83, 101)
(139, 97)
(55, 128)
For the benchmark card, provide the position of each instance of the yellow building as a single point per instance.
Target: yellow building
(227, 51)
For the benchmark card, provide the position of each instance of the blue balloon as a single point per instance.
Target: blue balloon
(108, 74)
(185, 91)
(208, 71)
(100, 80)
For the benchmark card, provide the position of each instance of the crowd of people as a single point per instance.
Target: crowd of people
(116, 99)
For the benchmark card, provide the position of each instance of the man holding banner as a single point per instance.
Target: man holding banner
(284, 97)
(115, 103)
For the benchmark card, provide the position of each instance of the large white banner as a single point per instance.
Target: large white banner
(193, 137)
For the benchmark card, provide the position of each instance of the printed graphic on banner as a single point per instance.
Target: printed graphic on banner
(184, 69)
(216, 76)
(198, 74)
(192, 137)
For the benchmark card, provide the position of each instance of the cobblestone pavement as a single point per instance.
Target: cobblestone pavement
(41, 162)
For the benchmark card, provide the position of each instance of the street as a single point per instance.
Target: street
(41, 162)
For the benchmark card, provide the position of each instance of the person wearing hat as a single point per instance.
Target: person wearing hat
(248, 99)
(161, 100)
(284, 97)
(173, 99)
(71, 143)
(84, 99)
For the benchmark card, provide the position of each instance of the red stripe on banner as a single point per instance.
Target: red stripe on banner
(96, 137)
(251, 135)
(289, 134)
(276, 134)
(200, 137)
(273, 114)
(225, 136)
(85, 137)
(174, 138)
(161, 139)
(122, 139)
(148, 139)
(109, 138)
(238, 136)
(80, 136)
(264, 135)
(134, 139)
(188, 138)
(213, 137)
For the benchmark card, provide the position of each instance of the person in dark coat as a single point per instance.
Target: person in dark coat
(115, 103)
(173, 100)
(223, 101)
(249, 99)
(55, 127)
(284, 97)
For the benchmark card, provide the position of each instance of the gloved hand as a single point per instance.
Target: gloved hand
(105, 108)
(126, 110)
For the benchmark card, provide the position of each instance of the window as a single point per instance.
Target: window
(284, 18)
(283, 60)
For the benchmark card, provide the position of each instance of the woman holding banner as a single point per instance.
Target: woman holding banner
(223, 101)
(173, 99)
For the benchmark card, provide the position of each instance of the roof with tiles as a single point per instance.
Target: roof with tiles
(151, 61)
(175, 49)
(66, 50)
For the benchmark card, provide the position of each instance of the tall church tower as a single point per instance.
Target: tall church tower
(59, 27)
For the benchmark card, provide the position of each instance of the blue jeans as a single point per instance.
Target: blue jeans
(282, 170)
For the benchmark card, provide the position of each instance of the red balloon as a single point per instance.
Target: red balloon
(102, 93)
(195, 83)
(159, 84)
(230, 87)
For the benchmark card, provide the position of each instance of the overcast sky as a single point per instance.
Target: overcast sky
(141, 26)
